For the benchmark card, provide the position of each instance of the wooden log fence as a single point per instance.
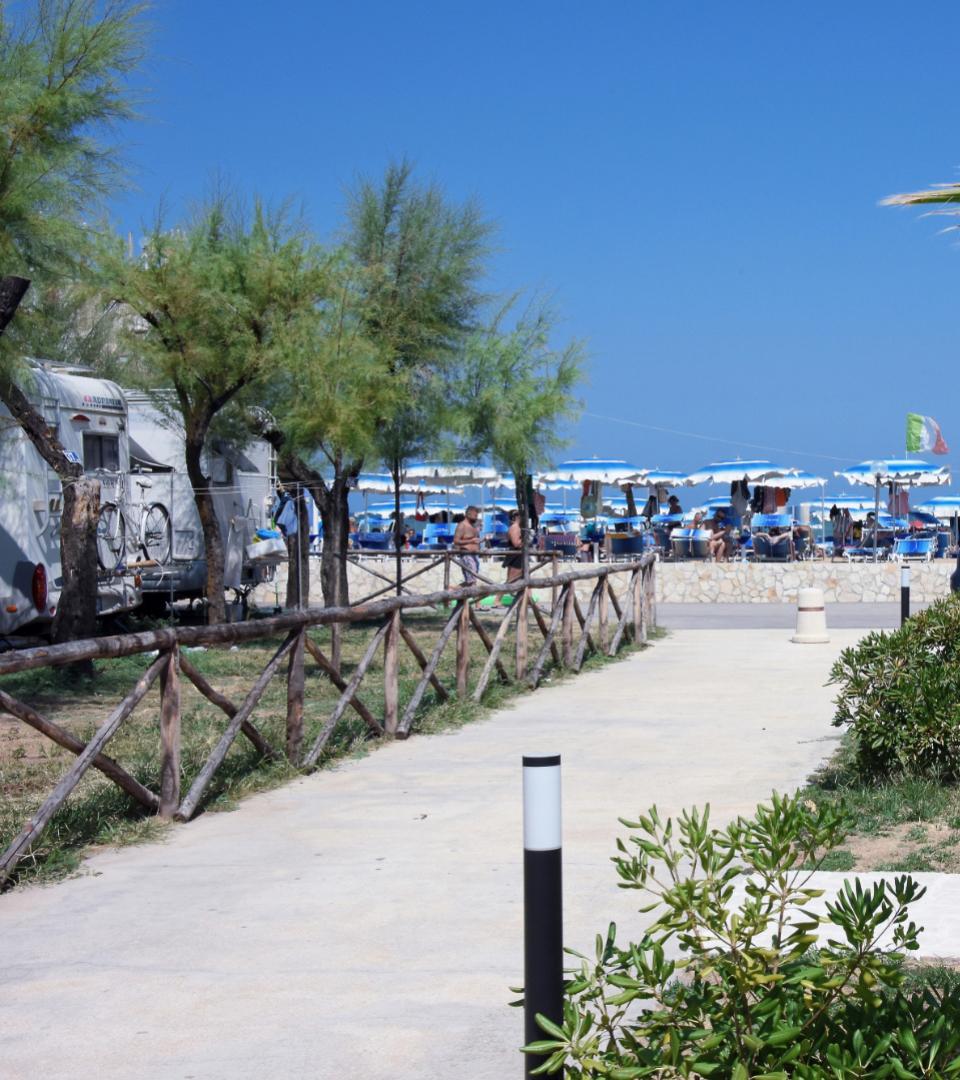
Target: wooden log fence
(566, 638)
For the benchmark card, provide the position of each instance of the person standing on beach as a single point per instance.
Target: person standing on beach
(514, 561)
(466, 544)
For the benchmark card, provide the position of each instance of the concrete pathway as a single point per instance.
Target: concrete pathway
(366, 922)
(879, 616)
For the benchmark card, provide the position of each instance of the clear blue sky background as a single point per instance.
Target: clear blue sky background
(695, 184)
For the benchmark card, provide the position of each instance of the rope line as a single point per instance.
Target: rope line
(712, 438)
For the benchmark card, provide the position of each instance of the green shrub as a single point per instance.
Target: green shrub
(733, 977)
(900, 696)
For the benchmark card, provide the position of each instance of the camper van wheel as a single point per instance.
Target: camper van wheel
(111, 537)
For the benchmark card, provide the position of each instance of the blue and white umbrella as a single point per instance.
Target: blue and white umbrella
(909, 472)
(942, 506)
(667, 478)
(409, 507)
(454, 472)
(382, 484)
(600, 470)
(754, 472)
(904, 472)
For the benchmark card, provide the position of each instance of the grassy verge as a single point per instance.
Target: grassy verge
(908, 824)
(98, 814)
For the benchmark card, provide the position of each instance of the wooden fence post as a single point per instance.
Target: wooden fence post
(170, 734)
(554, 569)
(336, 645)
(295, 681)
(446, 571)
(639, 622)
(522, 628)
(602, 613)
(391, 673)
(463, 650)
(568, 615)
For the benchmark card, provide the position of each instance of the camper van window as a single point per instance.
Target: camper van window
(101, 452)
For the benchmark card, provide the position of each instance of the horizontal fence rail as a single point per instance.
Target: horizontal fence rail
(567, 633)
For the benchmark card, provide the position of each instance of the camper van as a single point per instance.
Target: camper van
(162, 528)
(89, 416)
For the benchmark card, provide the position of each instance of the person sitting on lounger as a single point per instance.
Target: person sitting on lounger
(721, 541)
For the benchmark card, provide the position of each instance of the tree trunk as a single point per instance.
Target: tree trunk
(76, 614)
(298, 550)
(12, 291)
(335, 515)
(212, 537)
(397, 522)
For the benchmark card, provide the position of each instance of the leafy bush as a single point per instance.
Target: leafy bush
(733, 978)
(900, 695)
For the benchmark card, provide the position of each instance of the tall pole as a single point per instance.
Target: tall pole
(542, 899)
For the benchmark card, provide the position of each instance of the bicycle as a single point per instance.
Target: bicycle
(150, 532)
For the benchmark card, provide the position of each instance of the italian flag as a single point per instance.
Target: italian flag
(923, 433)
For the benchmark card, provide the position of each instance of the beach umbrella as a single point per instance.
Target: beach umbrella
(941, 506)
(454, 472)
(599, 470)
(754, 472)
(906, 472)
(667, 478)
(382, 484)
(409, 507)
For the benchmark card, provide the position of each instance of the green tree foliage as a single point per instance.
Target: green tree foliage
(327, 406)
(741, 973)
(64, 66)
(423, 258)
(511, 393)
(900, 696)
(221, 301)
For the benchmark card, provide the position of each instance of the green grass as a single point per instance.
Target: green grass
(98, 813)
(919, 816)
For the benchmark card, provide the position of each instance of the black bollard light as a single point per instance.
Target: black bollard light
(904, 593)
(955, 577)
(542, 899)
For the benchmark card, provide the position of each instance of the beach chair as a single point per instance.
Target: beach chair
(680, 540)
(914, 547)
(437, 536)
(374, 541)
(565, 544)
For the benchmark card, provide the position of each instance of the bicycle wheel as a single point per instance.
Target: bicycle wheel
(111, 537)
(155, 533)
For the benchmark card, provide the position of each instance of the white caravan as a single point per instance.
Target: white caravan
(89, 416)
(162, 525)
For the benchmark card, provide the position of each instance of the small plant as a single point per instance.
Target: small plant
(734, 978)
(900, 696)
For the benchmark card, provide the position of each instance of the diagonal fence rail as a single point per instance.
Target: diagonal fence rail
(567, 635)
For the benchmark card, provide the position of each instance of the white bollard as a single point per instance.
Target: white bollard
(811, 618)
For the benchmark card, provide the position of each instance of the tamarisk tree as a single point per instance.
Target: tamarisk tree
(511, 392)
(63, 82)
(423, 258)
(221, 300)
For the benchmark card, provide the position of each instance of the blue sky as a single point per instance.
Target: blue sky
(695, 185)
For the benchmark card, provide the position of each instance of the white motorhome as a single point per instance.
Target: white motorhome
(89, 416)
(163, 525)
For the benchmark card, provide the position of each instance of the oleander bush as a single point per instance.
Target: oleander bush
(900, 696)
(743, 971)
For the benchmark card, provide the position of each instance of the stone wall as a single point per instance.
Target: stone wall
(695, 582)
(689, 582)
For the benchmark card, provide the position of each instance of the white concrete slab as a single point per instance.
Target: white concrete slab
(366, 922)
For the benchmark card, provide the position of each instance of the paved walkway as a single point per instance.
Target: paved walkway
(366, 922)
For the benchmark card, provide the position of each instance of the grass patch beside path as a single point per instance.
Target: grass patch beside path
(905, 825)
(99, 814)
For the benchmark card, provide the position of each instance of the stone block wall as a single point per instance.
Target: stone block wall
(693, 582)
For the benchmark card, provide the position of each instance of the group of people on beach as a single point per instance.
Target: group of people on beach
(466, 545)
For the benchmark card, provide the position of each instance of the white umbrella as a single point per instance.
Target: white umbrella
(382, 484)
(454, 472)
(907, 472)
(600, 470)
(754, 472)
